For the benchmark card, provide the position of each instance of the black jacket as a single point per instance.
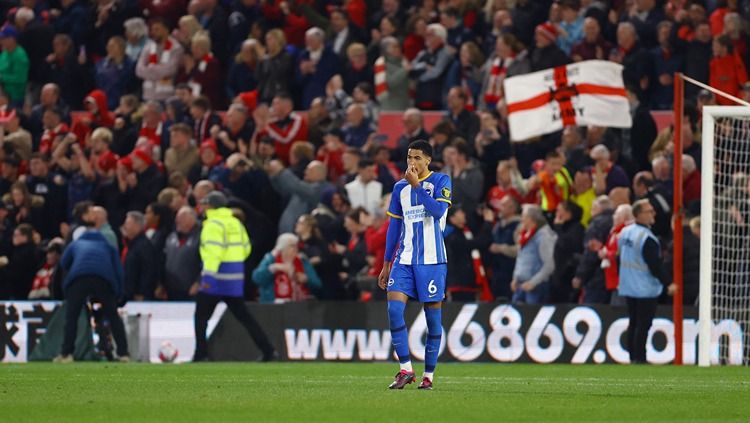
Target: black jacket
(461, 271)
(140, 268)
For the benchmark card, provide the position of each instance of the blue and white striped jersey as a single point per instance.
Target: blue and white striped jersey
(421, 240)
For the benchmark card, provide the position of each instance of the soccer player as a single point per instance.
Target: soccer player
(418, 213)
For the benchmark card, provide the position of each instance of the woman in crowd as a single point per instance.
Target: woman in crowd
(284, 274)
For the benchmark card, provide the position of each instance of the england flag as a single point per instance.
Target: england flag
(584, 93)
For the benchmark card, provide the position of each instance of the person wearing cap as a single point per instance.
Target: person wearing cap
(547, 54)
(606, 175)
(224, 247)
(181, 155)
(14, 66)
(149, 180)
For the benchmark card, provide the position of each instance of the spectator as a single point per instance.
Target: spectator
(205, 122)
(547, 54)
(413, 122)
(136, 35)
(392, 76)
(504, 248)
(14, 66)
(22, 263)
(342, 33)
(357, 129)
(510, 58)
(365, 191)
(187, 27)
(100, 220)
(241, 76)
(416, 32)
(583, 193)
(356, 69)
(691, 263)
(159, 63)
(740, 39)
(606, 175)
(148, 181)
(593, 46)
(325, 263)
(236, 133)
(139, 259)
(691, 180)
(182, 155)
(535, 261)
(697, 55)
(645, 187)
(286, 126)
(13, 138)
(203, 71)
(568, 248)
(589, 274)
(727, 71)
(622, 217)
(429, 68)
(49, 97)
(457, 33)
(182, 267)
(35, 36)
(304, 194)
(509, 182)
(466, 73)
(645, 19)
(641, 277)
(285, 275)
(634, 59)
(93, 270)
(460, 245)
(465, 121)
(316, 66)
(68, 71)
(571, 25)
(666, 63)
(40, 181)
(276, 69)
(466, 177)
(491, 144)
(48, 277)
(71, 15)
(554, 183)
(213, 18)
(115, 74)
(332, 154)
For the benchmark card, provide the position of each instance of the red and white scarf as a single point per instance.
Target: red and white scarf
(203, 64)
(287, 287)
(498, 72)
(525, 236)
(153, 54)
(381, 85)
(153, 134)
(480, 276)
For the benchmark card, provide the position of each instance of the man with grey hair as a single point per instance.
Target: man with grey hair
(429, 68)
(413, 131)
(606, 175)
(535, 262)
(140, 259)
(589, 274)
(182, 268)
(315, 66)
(608, 253)
(634, 58)
(135, 33)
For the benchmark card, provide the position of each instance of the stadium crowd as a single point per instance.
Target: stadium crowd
(122, 115)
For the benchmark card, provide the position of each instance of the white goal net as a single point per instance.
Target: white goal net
(725, 237)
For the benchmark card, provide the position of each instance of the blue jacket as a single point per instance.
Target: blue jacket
(91, 255)
(535, 262)
(314, 85)
(264, 279)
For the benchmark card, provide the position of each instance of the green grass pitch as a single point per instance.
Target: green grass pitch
(356, 392)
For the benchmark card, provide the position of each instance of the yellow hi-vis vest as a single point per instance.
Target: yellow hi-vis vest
(225, 246)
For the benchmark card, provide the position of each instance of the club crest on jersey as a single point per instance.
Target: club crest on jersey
(429, 188)
(446, 193)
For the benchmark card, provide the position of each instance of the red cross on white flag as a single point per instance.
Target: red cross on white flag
(585, 93)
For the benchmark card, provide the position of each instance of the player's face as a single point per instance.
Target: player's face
(418, 160)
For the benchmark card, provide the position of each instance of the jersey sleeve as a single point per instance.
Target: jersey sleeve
(443, 191)
(394, 208)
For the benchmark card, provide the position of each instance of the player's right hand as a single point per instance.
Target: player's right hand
(384, 274)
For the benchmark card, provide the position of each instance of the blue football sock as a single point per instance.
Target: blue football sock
(434, 333)
(399, 334)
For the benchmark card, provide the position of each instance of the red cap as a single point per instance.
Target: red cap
(143, 156)
(107, 161)
(127, 162)
(547, 30)
(249, 99)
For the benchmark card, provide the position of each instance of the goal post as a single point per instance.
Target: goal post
(724, 242)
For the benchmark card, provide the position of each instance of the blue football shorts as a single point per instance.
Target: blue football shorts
(424, 282)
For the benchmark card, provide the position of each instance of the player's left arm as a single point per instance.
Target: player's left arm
(436, 206)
